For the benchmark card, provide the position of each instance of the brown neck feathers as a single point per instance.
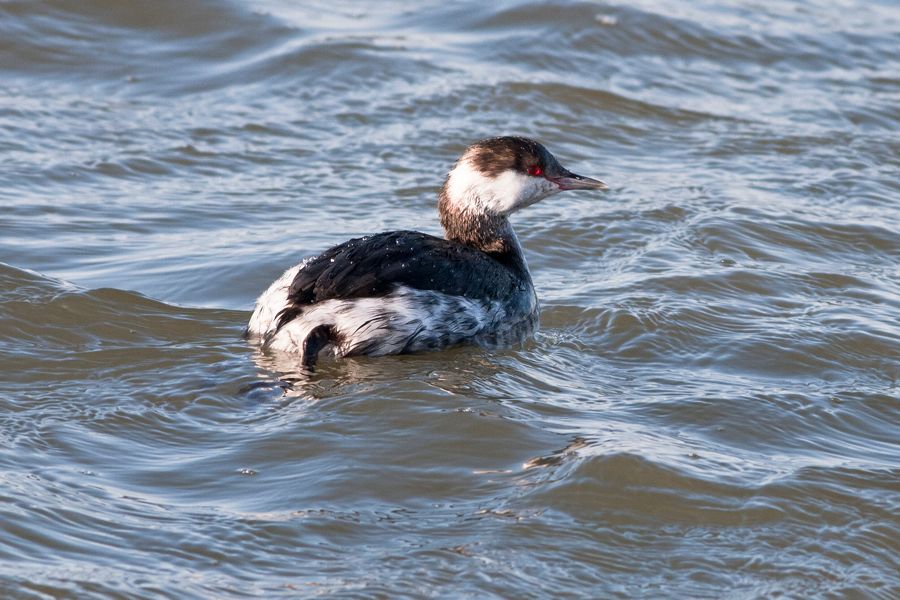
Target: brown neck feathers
(491, 234)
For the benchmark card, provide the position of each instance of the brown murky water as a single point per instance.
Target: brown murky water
(710, 409)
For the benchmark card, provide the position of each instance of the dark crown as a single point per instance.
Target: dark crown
(510, 153)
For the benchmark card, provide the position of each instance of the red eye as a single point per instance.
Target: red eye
(535, 171)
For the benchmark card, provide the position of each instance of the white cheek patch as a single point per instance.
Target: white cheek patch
(507, 192)
(510, 189)
(516, 190)
(466, 186)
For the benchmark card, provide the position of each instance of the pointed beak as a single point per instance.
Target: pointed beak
(571, 181)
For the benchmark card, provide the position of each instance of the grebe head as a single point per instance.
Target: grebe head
(498, 176)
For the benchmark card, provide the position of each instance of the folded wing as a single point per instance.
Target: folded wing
(376, 265)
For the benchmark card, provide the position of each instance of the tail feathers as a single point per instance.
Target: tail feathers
(282, 318)
(313, 342)
(285, 316)
(317, 339)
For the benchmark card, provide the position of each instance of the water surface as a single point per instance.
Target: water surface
(710, 409)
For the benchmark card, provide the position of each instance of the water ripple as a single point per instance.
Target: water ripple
(711, 403)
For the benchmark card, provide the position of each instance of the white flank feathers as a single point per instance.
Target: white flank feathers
(406, 320)
(270, 302)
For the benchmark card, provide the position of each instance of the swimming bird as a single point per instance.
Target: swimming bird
(404, 291)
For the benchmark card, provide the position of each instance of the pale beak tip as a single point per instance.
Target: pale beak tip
(580, 182)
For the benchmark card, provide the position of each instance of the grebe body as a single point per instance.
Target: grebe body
(404, 291)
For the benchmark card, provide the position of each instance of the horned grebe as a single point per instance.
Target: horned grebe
(405, 291)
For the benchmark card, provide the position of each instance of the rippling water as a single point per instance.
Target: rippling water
(710, 409)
